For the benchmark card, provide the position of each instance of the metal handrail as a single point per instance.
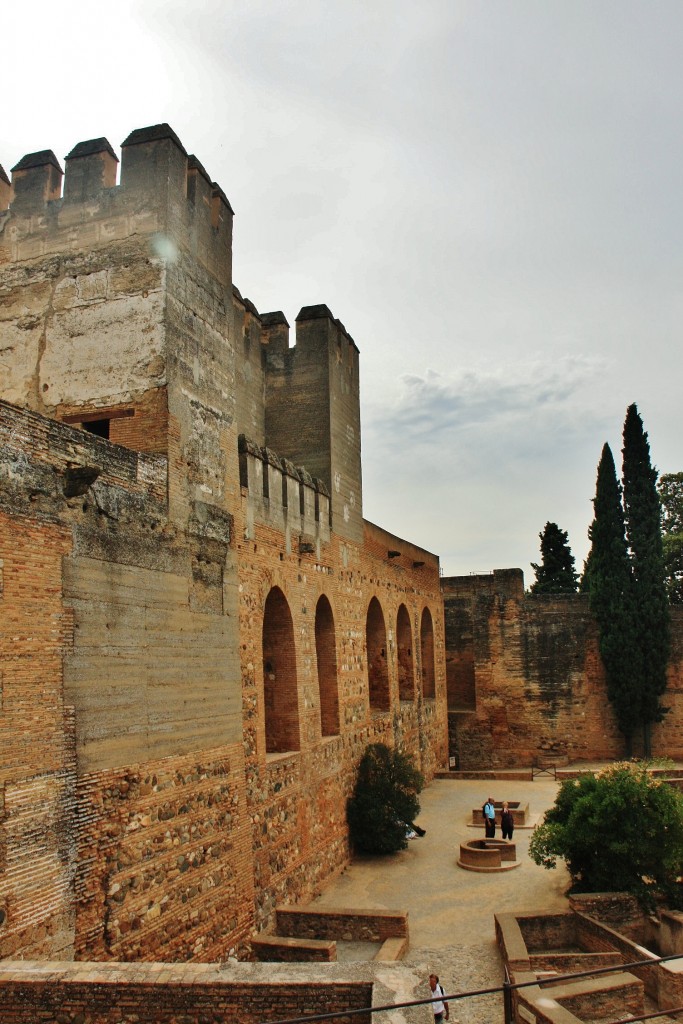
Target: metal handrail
(507, 988)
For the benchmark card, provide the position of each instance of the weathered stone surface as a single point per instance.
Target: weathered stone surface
(160, 593)
(526, 682)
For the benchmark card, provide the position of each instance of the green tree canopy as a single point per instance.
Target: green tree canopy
(618, 831)
(384, 800)
(670, 490)
(556, 573)
(642, 514)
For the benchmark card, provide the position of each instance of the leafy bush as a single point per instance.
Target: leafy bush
(620, 830)
(384, 799)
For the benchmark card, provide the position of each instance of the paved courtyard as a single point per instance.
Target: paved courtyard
(451, 910)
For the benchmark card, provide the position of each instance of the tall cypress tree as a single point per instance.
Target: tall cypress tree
(643, 514)
(608, 581)
(556, 573)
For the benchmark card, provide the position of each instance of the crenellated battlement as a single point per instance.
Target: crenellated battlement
(162, 190)
(283, 496)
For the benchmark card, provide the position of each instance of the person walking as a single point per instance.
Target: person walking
(489, 810)
(439, 1004)
(507, 821)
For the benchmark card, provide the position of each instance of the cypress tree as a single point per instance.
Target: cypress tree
(643, 515)
(608, 581)
(556, 573)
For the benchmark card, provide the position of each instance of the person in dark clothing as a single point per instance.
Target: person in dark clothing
(507, 821)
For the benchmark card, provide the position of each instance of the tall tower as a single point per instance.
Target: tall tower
(313, 410)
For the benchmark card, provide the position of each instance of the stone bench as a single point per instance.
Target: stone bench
(488, 855)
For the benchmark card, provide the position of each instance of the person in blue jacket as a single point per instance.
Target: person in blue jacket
(489, 811)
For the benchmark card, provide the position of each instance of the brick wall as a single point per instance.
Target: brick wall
(547, 931)
(165, 865)
(37, 767)
(594, 936)
(298, 798)
(170, 993)
(180, 845)
(141, 425)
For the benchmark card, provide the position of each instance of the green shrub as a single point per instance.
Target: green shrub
(620, 830)
(384, 799)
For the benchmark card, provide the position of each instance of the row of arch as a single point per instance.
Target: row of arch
(281, 702)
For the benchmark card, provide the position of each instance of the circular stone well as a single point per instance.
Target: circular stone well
(488, 855)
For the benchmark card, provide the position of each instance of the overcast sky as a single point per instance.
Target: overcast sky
(488, 194)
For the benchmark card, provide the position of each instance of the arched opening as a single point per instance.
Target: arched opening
(427, 654)
(279, 676)
(404, 646)
(378, 671)
(326, 654)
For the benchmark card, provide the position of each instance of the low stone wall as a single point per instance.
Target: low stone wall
(663, 982)
(502, 774)
(614, 908)
(350, 925)
(615, 995)
(566, 1001)
(572, 1002)
(670, 932)
(168, 993)
(593, 935)
(285, 950)
(511, 943)
(572, 963)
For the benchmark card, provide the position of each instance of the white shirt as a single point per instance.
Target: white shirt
(437, 1005)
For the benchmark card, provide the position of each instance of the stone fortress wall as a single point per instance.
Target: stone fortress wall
(199, 631)
(525, 680)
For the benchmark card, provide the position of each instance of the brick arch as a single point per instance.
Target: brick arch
(427, 654)
(326, 656)
(404, 651)
(376, 645)
(280, 691)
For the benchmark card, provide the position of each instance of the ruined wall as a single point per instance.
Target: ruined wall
(538, 680)
(117, 629)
